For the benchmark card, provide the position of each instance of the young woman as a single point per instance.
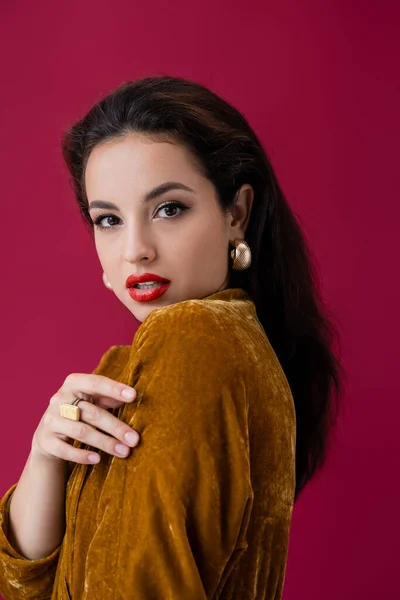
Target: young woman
(236, 384)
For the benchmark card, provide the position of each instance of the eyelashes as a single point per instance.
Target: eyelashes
(97, 221)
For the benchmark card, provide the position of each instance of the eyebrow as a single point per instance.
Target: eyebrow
(154, 193)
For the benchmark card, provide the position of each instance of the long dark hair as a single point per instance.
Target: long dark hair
(282, 279)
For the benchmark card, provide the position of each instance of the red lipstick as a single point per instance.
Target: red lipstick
(150, 294)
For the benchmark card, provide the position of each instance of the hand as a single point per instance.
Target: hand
(50, 439)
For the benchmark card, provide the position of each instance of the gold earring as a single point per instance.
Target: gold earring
(241, 255)
(106, 282)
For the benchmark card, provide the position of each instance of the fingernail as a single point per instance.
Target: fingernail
(131, 438)
(121, 449)
(128, 393)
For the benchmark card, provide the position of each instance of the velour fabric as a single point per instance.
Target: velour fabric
(202, 507)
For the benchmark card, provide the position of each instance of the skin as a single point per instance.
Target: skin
(190, 248)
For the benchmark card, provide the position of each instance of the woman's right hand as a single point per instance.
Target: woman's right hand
(50, 439)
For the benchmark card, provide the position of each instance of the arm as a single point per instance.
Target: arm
(35, 577)
(175, 517)
(32, 523)
(36, 517)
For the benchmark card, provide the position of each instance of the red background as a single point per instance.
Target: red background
(317, 81)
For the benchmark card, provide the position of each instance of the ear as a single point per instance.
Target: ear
(238, 219)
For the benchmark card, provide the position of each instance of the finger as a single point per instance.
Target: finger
(100, 386)
(67, 452)
(99, 418)
(102, 401)
(108, 403)
(83, 432)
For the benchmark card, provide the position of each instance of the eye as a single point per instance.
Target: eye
(97, 221)
(100, 218)
(169, 205)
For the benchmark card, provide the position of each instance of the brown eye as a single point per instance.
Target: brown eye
(170, 206)
(100, 218)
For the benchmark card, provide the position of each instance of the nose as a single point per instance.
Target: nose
(138, 245)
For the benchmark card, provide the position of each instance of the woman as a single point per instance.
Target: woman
(232, 366)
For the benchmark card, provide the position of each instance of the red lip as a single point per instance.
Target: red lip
(148, 295)
(132, 279)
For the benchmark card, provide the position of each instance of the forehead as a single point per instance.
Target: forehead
(137, 158)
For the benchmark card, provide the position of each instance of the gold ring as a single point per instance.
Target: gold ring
(70, 411)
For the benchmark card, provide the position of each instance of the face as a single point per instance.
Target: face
(186, 242)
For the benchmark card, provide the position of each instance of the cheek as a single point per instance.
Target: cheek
(105, 256)
(100, 250)
(205, 250)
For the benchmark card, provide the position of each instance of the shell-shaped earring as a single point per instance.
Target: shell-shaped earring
(106, 282)
(241, 255)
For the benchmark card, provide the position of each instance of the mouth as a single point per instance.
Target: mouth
(136, 281)
(148, 293)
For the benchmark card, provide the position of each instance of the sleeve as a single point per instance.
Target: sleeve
(187, 490)
(21, 578)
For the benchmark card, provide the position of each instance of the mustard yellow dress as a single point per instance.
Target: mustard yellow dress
(202, 507)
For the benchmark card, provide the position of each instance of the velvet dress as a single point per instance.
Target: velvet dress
(202, 507)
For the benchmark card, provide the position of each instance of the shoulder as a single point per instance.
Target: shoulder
(189, 337)
(112, 361)
(198, 317)
(185, 371)
(176, 326)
